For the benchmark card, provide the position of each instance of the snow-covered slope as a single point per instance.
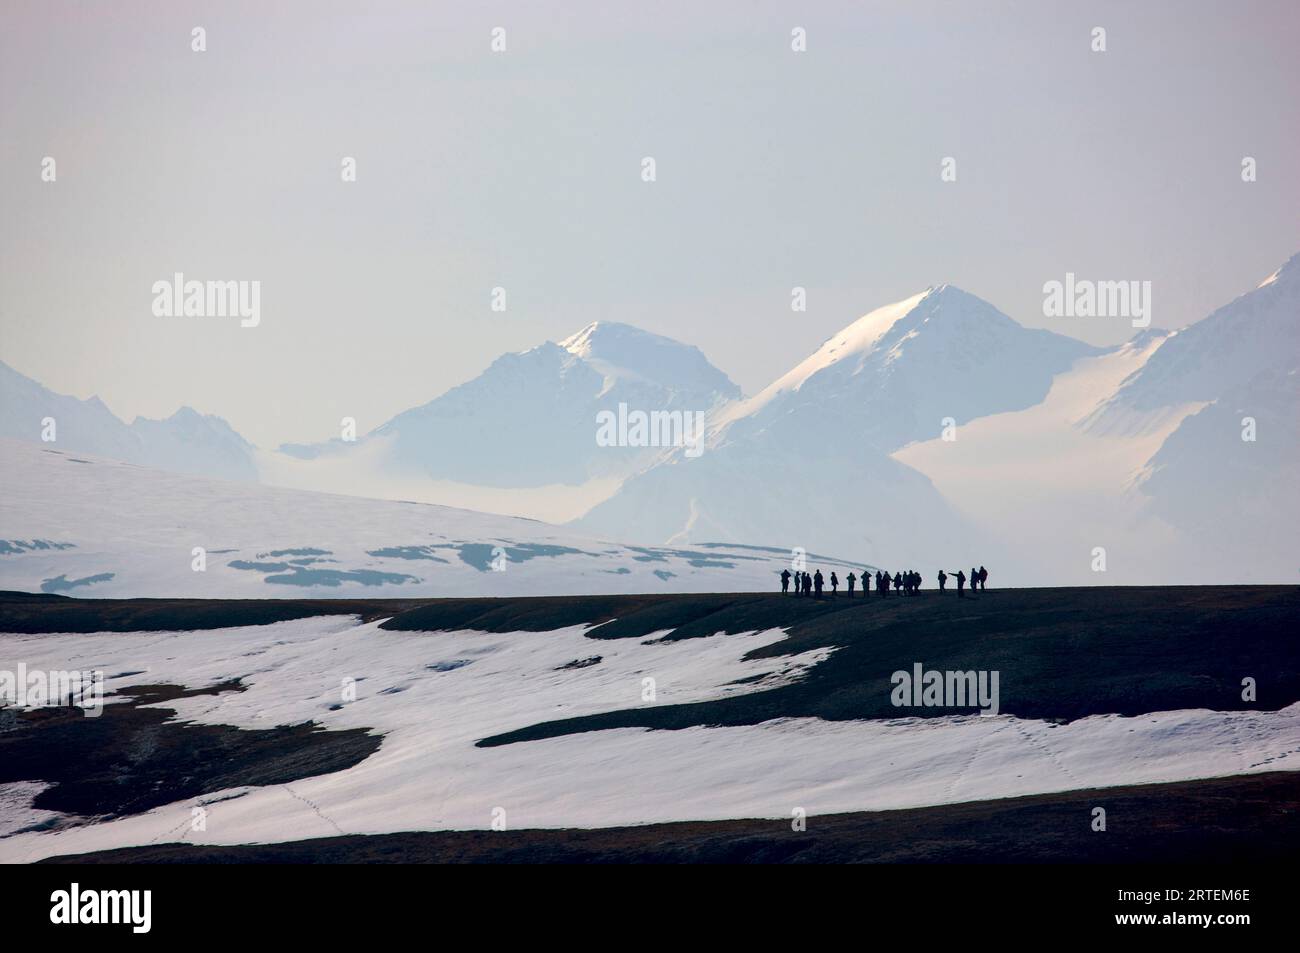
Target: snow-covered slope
(1050, 489)
(806, 460)
(1140, 452)
(82, 525)
(1255, 335)
(186, 442)
(433, 695)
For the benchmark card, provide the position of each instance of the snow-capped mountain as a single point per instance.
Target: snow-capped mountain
(87, 526)
(186, 442)
(1139, 464)
(1230, 470)
(897, 373)
(520, 437)
(807, 458)
(1255, 335)
(934, 428)
(530, 418)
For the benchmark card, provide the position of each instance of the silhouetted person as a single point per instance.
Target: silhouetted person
(818, 582)
(852, 580)
(835, 584)
(974, 579)
(961, 584)
(943, 580)
(866, 583)
(884, 585)
(898, 581)
(785, 581)
(984, 579)
(807, 584)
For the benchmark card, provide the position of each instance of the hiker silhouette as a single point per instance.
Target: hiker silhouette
(984, 579)
(943, 580)
(852, 579)
(961, 584)
(835, 584)
(785, 581)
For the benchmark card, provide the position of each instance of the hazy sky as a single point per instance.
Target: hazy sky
(522, 169)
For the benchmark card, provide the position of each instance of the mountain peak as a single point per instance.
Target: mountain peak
(1288, 271)
(624, 352)
(940, 348)
(605, 335)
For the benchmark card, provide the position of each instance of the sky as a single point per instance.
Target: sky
(522, 169)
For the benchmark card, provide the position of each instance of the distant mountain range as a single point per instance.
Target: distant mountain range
(935, 428)
(808, 457)
(186, 442)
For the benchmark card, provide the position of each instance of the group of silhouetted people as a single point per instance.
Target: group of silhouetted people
(978, 580)
(907, 582)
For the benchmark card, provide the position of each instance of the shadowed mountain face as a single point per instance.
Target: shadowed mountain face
(1209, 480)
(530, 419)
(186, 442)
(1229, 471)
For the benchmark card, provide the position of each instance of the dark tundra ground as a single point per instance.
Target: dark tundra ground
(1063, 654)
